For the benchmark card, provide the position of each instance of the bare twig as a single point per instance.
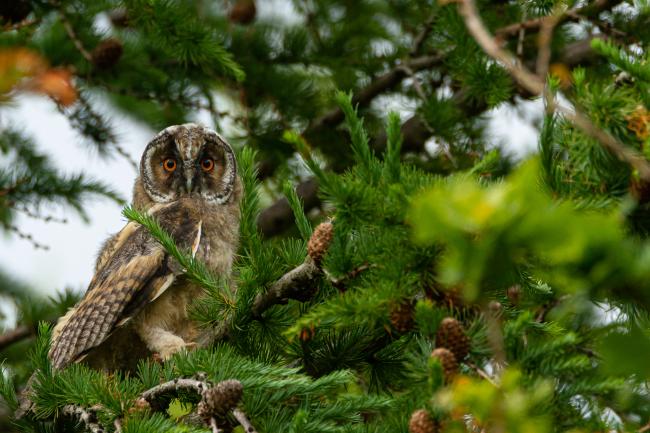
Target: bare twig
(416, 83)
(84, 415)
(422, 36)
(377, 86)
(17, 334)
(481, 372)
(45, 218)
(590, 10)
(243, 420)
(339, 282)
(73, 36)
(20, 25)
(544, 43)
(495, 339)
(126, 156)
(536, 85)
(521, 37)
(27, 237)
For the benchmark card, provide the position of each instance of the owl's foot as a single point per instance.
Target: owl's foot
(164, 344)
(174, 345)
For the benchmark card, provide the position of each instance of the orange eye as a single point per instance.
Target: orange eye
(169, 164)
(207, 164)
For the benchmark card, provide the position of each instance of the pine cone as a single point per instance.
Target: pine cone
(320, 241)
(448, 362)
(401, 316)
(243, 12)
(107, 53)
(218, 400)
(452, 336)
(421, 422)
(14, 11)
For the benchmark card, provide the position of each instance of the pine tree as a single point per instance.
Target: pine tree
(385, 287)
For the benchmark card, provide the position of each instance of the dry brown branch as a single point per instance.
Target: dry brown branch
(20, 25)
(544, 43)
(377, 86)
(17, 334)
(160, 393)
(422, 36)
(295, 284)
(73, 36)
(482, 373)
(536, 86)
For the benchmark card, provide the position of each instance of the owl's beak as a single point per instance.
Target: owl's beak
(189, 178)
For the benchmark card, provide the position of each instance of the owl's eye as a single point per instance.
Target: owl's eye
(169, 165)
(207, 164)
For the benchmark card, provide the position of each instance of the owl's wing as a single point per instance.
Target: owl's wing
(136, 273)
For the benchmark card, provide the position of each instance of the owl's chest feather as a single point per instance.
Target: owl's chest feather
(170, 310)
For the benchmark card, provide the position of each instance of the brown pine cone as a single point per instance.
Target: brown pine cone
(401, 316)
(243, 12)
(448, 362)
(452, 336)
(218, 400)
(14, 11)
(320, 241)
(421, 422)
(107, 53)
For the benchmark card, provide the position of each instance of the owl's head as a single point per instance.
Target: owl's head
(188, 159)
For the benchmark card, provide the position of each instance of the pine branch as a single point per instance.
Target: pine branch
(590, 10)
(158, 395)
(292, 285)
(379, 85)
(216, 401)
(537, 86)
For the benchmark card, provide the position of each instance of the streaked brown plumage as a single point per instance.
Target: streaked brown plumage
(137, 301)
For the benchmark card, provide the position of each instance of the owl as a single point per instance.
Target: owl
(137, 301)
